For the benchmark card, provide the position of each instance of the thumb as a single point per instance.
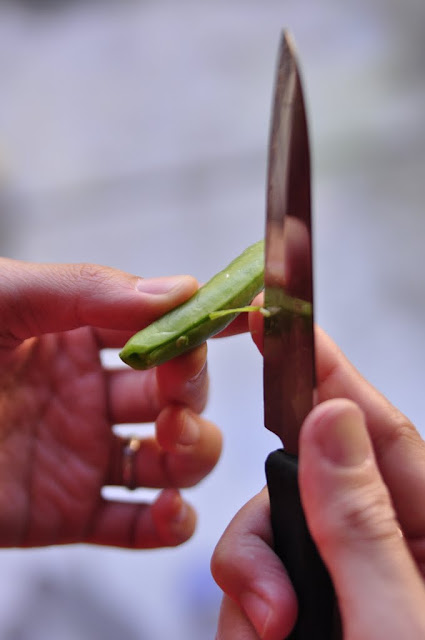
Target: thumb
(351, 517)
(44, 298)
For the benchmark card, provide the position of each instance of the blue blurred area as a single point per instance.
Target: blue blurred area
(134, 134)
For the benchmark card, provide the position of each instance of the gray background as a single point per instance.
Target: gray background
(134, 134)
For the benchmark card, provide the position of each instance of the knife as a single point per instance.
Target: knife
(289, 369)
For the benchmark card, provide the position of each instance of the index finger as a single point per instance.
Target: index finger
(399, 449)
(247, 570)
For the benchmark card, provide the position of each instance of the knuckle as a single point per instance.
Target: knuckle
(365, 515)
(92, 273)
(399, 428)
(372, 517)
(234, 563)
(87, 280)
(218, 563)
(224, 565)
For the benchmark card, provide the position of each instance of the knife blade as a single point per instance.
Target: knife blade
(289, 361)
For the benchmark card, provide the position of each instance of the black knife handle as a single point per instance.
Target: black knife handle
(318, 617)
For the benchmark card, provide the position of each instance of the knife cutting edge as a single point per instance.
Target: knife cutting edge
(289, 367)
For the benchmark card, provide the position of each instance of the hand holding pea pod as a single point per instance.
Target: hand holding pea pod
(59, 404)
(206, 313)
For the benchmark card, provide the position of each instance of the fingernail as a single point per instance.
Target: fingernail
(343, 438)
(180, 522)
(180, 515)
(190, 432)
(257, 610)
(203, 369)
(159, 286)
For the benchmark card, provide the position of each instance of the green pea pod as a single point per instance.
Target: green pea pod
(193, 322)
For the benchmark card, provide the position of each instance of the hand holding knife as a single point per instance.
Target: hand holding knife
(289, 369)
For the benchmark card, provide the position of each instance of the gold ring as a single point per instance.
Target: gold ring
(131, 447)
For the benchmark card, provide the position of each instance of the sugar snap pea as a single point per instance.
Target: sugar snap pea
(197, 319)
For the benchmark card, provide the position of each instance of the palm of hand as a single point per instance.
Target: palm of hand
(56, 439)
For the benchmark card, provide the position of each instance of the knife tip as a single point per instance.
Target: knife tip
(288, 42)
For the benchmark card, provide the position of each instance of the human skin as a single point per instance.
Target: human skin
(58, 406)
(362, 484)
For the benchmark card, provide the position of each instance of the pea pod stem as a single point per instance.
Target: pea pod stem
(249, 309)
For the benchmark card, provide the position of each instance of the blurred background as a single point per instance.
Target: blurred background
(133, 134)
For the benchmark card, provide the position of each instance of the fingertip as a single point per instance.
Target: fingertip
(174, 518)
(336, 430)
(193, 445)
(157, 296)
(191, 364)
(185, 379)
(256, 324)
(194, 361)
(233, 622)
(185, 288)
(177, 427)
(273, 619)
